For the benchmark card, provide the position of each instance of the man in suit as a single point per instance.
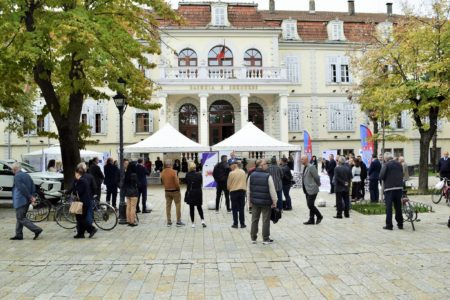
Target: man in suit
(97, 173)
(142, 172)
(342, 178)
(158, 165)
(330, 170)
(444, 166)
(311, 183)
(220, 174)
(374, 176)
(23, 190)
(112, 178)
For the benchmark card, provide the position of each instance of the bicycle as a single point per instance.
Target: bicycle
(42, 206)
(437, 194)
(410, 213)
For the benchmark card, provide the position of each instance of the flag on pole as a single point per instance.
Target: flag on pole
(221, 54)
(367, 144)
(307, 144)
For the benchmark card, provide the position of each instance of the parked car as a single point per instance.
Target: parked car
(50, 183)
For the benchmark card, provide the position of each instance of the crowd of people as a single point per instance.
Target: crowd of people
(262, 185)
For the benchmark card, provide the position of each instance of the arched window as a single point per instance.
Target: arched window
(187, 58)
(253, 58)
(188, 121)
(256, 115)
(220, 56)
(221, 121)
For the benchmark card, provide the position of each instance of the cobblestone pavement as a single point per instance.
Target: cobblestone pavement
(349, 258)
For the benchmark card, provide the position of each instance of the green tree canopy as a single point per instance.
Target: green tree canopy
(409, 69)
(70, 50)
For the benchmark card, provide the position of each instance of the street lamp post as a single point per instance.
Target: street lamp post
(121, 104)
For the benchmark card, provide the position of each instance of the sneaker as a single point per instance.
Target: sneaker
(267, 242)
(319, 219)
(234, 226)
(93, 232)
(179, 224)
(193, 226)
(78, 236)
(16, 238)
(243, 226)
(387, 227)
(400, 226)
(254, 242)
(310, 222)
(204, 225)
(169, 224)
(36, 234)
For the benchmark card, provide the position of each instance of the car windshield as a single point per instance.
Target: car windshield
(27, 168)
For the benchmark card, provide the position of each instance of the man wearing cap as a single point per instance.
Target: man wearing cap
(237, 185)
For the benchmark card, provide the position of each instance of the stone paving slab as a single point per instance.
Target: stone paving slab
(338, 259)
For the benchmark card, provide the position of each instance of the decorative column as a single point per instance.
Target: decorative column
(162, 99)
(244, 109)
(283, 111)
(203, 120)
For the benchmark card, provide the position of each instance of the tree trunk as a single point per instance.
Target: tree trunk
(425, 139)
(70, 153)
(375, 142)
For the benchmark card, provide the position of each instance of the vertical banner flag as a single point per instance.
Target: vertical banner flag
(209, 160)
(367, 145)
(307, 144)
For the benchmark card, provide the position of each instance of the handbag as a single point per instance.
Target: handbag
(275, 215)
(76, 207)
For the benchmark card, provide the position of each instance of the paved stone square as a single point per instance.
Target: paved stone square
(338, 259)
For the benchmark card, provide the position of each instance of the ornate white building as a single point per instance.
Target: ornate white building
(230, 63)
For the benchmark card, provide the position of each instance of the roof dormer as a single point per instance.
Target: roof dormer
(290, 32)
(335, 29)
(219, 14)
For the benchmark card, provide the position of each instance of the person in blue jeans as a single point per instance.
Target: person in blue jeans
(392, 176)
(287, 182)
(277, 175)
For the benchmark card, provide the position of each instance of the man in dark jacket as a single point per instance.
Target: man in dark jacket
(261, 197)
(158, 165)
(330, 170)
(97, 173)
(444, 166)
(22, 194)
(363, 176)
(287, 182)
(342, 178)
(220, 174)
(142, 173)
(374, 177)
(392, 176)
(112, 178)
(277, 175)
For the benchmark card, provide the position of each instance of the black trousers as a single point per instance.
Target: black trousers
(393, 197)
(331, 183)
(111, 192)
(342, 203)
(192, 211)
(313, 211)
(237, 206)
(222, 188)
(373, 189)
(142, 195)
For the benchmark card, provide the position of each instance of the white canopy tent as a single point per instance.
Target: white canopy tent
(166, 139)
(54, 152)
(251, 138)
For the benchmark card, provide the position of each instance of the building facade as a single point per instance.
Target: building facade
(231, 63)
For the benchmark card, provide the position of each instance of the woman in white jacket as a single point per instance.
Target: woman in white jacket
(356, 180)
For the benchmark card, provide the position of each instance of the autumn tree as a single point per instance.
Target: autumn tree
(409, 70)
(71, 50)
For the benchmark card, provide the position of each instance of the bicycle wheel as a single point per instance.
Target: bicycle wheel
(105, 216)
(436, 196)
(64, 218)
(41, 210)
(408, 213)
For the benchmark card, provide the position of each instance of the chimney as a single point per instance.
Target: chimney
(312, 7)
(351, 7)
(389, 9)
(272, 6)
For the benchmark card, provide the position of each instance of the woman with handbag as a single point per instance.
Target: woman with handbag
(130, 186)
(194, 195)
(84, 195)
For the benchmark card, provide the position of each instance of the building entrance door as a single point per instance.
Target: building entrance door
(221, 121)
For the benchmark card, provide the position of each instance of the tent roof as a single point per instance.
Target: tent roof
(56, 151)
(166, 139)
(251, 138)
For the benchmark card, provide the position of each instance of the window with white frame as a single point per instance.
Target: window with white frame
(293, 69)
(289, 28)
(98, 123)
(219, 14)
(93, 114)
(341, 117)
(40, 123)
(338, 70)
(399, 122)
(143, 121)
(335, 30)
(294, 116)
